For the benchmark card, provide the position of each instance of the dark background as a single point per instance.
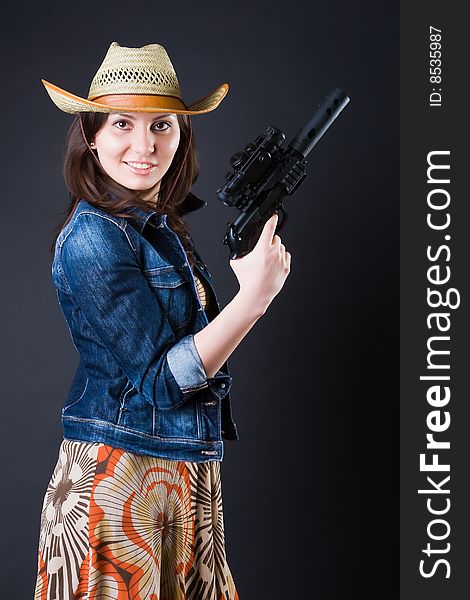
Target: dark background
(311, 488)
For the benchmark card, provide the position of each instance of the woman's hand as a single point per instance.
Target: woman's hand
(262, 272)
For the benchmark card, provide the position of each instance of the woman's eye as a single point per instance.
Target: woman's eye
(162, 123)
(120, 123)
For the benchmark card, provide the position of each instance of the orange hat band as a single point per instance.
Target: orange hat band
(140, 101)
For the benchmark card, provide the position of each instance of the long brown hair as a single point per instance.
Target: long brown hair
(85, 179)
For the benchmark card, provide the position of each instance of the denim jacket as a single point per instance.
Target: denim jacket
(129, 298)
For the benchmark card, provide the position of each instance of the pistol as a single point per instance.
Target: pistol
(264, 173)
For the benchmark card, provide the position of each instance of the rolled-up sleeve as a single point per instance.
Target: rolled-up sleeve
(102, 274)
(188, 373)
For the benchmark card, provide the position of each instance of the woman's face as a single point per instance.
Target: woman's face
(136, 149)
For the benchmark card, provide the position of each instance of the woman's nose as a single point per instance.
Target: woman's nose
(143, 142)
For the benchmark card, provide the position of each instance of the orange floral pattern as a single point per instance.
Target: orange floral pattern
(119, 525)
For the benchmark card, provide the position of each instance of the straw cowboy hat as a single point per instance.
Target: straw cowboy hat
(138, 80)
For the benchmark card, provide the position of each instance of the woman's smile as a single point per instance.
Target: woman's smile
(141, 168)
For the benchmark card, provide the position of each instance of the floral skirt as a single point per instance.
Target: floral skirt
(119, 525)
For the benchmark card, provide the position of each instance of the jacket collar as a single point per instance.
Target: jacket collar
(190, 204)
(139, 216)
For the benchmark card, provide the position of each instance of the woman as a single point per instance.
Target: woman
(134, 508)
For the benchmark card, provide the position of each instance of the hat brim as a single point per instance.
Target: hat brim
(70, 103)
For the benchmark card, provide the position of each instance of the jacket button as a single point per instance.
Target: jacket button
(222, 385)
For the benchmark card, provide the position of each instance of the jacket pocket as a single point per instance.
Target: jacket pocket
(174, 294)
(134, 412)
(179, 423)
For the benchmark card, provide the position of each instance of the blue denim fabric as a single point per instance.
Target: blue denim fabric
(129, 298)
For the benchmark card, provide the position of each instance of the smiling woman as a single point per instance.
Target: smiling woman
(134, 506)
(137, 149)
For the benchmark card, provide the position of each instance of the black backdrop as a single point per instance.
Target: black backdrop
(310, 490)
